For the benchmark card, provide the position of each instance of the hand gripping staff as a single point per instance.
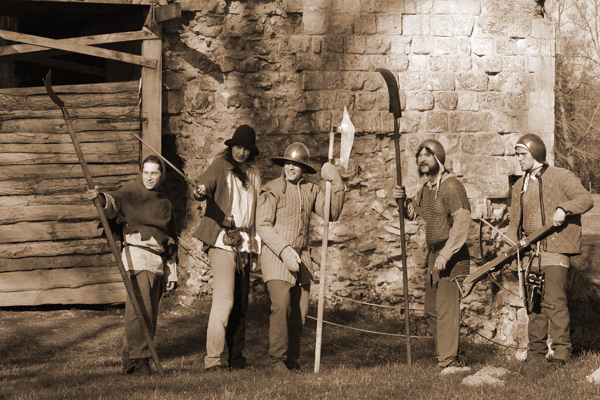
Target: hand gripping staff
(111, 242)
(347, 139)
(396, 111)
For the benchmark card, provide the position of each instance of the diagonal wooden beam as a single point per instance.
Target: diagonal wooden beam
(20, 49)
(69, 46)
(71, 66)
(119, 2)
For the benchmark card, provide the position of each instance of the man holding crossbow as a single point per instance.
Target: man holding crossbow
(544, 194)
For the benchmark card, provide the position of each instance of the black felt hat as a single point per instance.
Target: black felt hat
(244, 136)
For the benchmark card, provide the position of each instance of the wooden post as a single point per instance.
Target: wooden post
(323, 274)
(152, 95)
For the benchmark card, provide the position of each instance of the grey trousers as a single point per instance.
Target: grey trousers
(554, 315)
(148, 288)
(442, 312)
(289, 306)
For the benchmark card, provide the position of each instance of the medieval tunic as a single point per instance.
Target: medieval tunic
(283, 219)
(229, 205)
(149, 253)
(446, 213)
(534, 201)
(445, 209)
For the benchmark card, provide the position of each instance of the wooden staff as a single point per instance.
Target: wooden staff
(396, 111)
(323, 274)
(111, 242)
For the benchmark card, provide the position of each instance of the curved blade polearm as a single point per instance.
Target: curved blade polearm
(48, 83)
(396, 111)
(109, 236)
(394, 93)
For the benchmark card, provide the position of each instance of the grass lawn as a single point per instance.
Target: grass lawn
(74, 354)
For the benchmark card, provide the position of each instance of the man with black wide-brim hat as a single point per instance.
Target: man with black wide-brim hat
(230, 186)
(282, 221)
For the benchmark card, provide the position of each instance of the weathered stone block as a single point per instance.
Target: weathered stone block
(541, 99)
(353, 80)
(492, 100)
(468, 101)
(364, 24)
(463, 25)
(377, 45)
(412, 25)
(506, 46)
(482, 46)
(442, 25)
(475, 81)
(541, 120)
(374, 6)
(420, 101)
(438, 63)
(483, 143)
(173, 101)
(445, 45)
(491, 65)
(390, 24)
(312, 80)
(299, 44)
(333, 44)
(446, 100)
(519, 27)
(516, 101)
(459, 64)
(514, 64)
(411, 80)
(442, 81)
(542, 28)
(394, 62)
(351, 62)
(315, 23)
(410, 122)
(308, 61)
(355, 44)
(422, 45)
(173, 81)
(436, 121)
(365, 101)
(373, 81)
(492, 25)
(418, 6)
(340, 24)
(465, 121)
(445, 7)
(417, 62)
(470, 7)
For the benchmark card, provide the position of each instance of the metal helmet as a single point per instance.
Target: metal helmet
(298, 153)
(435, 147)
(535, 145)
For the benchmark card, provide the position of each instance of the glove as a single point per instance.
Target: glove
(330, 173)
(290, 259)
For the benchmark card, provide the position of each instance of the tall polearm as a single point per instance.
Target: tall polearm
(396, 111)
(109, 236)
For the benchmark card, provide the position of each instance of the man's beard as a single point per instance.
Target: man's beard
(433, 171)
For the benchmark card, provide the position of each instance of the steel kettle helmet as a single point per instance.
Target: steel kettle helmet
(535, 145)
(435, 147)
(298, 153)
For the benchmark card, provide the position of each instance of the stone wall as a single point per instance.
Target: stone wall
(474, 74)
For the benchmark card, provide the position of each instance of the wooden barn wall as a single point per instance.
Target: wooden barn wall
(51, 251)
